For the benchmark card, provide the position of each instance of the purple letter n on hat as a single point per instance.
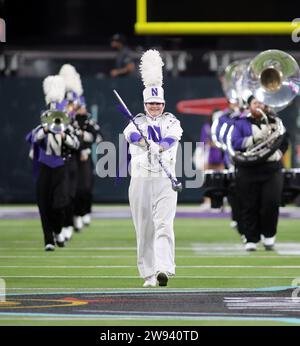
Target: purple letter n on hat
(154, 91)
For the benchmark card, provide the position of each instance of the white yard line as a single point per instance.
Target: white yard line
(134, 266)
(137, 277)
(205, 248)
(69, 267)
(208, 255)
(115, 248)
(55, 256)
(234, 248)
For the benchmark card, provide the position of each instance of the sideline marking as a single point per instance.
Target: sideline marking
(177, 267)
(145, 317)
(160, 290)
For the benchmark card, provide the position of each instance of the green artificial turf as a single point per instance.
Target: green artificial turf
(209, 254)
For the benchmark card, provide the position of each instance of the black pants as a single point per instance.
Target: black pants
(83, 199)
(234, 202)
(71, 181)
(260, 200)
(52, 198)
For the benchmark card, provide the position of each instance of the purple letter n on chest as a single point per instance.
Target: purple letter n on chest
(154, 133)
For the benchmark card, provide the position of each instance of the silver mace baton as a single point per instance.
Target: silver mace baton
(176, 185)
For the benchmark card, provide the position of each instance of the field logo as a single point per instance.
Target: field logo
(296, 291)
(2, 30)
(296, 31)
(2, 291)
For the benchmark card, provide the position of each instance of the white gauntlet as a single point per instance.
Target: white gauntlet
(276, 156)
(261, 134)
(154, 148)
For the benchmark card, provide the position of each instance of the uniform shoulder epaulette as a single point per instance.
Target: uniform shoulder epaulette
(37, 128)
(139, 118)
(138, 115)
(170, 115)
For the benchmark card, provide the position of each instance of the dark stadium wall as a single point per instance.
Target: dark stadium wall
(22, 102)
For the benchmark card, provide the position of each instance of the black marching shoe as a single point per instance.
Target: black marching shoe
(162, 278)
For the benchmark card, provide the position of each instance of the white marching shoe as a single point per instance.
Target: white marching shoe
(64, 232)
(150, 281)
(86, 219)
(78, 223)
(67, 233)
(60, 240)
(250, 247)
(233, 224)
(268, 243)
(243, 239)
(49, 247)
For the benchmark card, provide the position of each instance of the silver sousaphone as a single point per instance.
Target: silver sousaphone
(273, 77)
(232, 81)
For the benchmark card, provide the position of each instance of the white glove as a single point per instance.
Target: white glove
(84, 154)
(154, 148)
(276, 156)
(260, 134)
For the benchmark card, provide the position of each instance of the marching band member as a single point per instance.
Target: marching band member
(220, 129)
(71, 102)
(259, 185)
(52, 196)
(81, 165)
(89, 132)
(213, 156)
(152, 200)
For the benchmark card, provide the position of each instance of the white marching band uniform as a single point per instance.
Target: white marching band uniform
(151, 197)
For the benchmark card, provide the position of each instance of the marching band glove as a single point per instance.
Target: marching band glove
(276, 156)
(260, 134)
(154, 148)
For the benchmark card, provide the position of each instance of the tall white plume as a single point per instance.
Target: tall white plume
(72, 79)
(78, 86)
(151, 68)
(54, 89)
